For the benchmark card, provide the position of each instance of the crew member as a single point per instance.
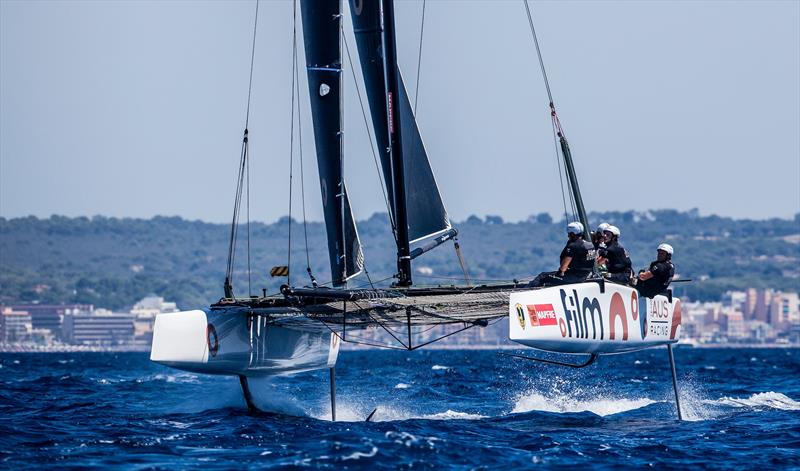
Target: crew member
(577, 260)
(615, 257)
(598, 238)
(656, 279)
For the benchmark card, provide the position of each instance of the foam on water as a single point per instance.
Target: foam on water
(602, 406)
(180, 377)
(771, 400)
(356, 455)
(696, 406)
(350, 412)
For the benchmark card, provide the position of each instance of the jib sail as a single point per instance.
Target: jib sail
(425, 211)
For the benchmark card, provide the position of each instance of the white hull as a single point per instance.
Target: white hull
(579, 318)
(239, 341)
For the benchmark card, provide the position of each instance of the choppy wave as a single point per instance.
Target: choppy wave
(435, 408)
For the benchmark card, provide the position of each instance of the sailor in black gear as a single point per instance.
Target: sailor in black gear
(615, 257)
(576, 261)
(656, 280)
(598, 236)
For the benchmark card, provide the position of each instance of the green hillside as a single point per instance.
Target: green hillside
(112, 262)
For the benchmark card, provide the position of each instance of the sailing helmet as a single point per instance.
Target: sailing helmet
(612, 229)
(603, 226)
(666, 248)
(575, 228)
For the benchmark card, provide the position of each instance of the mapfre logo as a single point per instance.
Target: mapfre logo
(542, 314)
(520, 315)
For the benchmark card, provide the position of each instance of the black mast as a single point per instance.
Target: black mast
(396, 145)
(573, 183)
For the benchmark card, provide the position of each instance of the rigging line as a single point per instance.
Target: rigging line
(249, 283)
(366, 272)
(243, 162)
(560, 172)
(236, 204)
(291, 141)
(506, 280)
(461, 260)
(302, 176)
(556, 122)
(376, 282)
(419, 58)
(369, 136)
(538, 51)
(252, 60)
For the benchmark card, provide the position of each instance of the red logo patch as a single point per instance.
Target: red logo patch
(542, 314)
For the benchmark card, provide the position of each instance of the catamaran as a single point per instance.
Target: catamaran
(302, 327)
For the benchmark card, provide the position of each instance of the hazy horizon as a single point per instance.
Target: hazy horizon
(299, 218)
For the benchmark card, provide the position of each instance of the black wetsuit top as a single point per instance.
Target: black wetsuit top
(662, 277)
(583, 254)
(618, 259)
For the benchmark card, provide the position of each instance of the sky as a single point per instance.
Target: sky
(137, 108)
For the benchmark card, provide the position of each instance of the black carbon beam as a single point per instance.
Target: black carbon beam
(592, 359)
(333, 393)
(248, 397)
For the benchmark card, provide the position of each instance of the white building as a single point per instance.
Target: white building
(101, 327)
(784, 309)
(15, 326)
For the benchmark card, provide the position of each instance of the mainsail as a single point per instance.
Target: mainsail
(321, 27)
(425, 211)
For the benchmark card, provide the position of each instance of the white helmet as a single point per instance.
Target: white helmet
(603, 226)
(666, 248)
(575, 228)
(612, 229)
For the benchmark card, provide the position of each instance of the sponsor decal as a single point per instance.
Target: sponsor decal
(617, 309)
(676, 319)
(658, 324)
(542, 314)
(577, 314)
(391, 113)
(520, 315)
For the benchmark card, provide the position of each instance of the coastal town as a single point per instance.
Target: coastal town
(755, 317)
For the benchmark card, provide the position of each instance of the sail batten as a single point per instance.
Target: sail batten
(321, 26)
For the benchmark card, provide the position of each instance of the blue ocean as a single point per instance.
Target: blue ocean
(435, 409)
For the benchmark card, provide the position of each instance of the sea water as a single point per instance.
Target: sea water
(459, 409)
